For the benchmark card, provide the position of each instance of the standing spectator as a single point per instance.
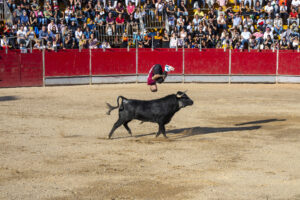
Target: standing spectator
(182, 11)
(159, 8)
(165, 40)
(170, 9)
(173, 41)
(157, 40)
(130, 8)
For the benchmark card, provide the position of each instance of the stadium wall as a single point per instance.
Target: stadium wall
(132, 65)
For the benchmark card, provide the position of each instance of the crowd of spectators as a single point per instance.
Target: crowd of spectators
(53, 24)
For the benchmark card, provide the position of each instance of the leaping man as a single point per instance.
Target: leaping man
(156, 74)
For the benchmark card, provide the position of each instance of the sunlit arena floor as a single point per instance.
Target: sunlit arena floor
(238, 141)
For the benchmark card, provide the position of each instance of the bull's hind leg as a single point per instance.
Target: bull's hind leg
(116, 125)
(163, 130)
(158, 132)
(127, 128)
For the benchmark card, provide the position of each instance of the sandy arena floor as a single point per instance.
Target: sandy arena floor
(239, 141)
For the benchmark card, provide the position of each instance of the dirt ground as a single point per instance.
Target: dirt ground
(238, 141)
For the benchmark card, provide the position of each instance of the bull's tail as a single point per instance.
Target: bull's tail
(111, 108)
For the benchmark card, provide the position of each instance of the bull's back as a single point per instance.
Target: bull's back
(152, 111)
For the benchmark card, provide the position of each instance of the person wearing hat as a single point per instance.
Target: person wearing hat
(156, 74)
(277, 24)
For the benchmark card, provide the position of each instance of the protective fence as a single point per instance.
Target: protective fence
(89, 66)
(17, 70)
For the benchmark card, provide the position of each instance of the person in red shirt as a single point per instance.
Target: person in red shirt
(120, 24)
(293, 17)
(156, 74)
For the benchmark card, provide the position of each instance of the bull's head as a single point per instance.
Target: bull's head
(183, 99)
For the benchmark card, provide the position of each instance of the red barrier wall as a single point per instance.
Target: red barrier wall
(147, 58)
(262, 63)
(67, 63)
(208, 61)
(289, 63)
(113, 61)
(21, 69)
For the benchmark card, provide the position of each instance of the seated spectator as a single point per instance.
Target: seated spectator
(120, 24)
(222, 3)
(245, 35)
(283, 12)
(221, 22)
(68, 42)
(270, 22)
(248, 23)
(43, 35)
(257, 9)
(110, 23)
(199, 13)
(269, 9)
(261, 23)
(293, 17)
(259, 37)
(120, 9)
(229, 14)
(24, 18)
(30, 37)
(4, 42)
(157, 40)
(268, 33)
(83, 43)
(93, 42)
(284, 44)
(131, 24)
(220, 11)
(51, 25)
(180, 22)
(21, 36)
(237, 22)
(278, 24)
(268, 42)
(105, 45)
(78, 34)
(38, 45)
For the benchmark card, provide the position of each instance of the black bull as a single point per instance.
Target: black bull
(159, 111)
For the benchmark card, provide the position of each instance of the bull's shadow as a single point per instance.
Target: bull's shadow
(261, 121)
(8, 98)
(197, 130)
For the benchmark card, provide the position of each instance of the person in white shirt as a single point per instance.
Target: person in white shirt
(173, 41)
(245, 36)
(278, 24)
(268, 32)
(78, 34)
(21, 35)
(269, 9)
(51, 25)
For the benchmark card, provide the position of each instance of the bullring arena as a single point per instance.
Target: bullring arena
(238, 141)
